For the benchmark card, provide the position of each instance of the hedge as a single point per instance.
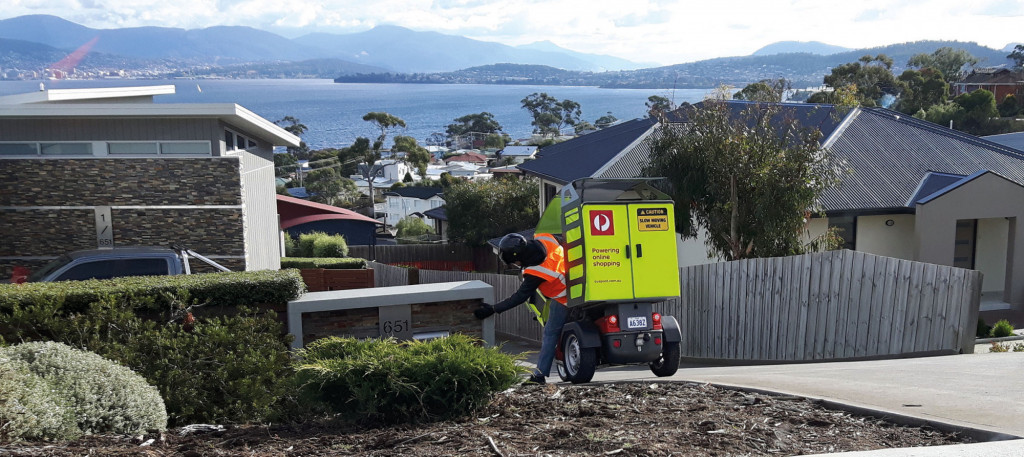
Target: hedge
(156, 293)
(347, 263)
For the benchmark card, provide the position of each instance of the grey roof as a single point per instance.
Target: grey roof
(583, 156)
(416, 192)
(890, 153)
(439, 213)
(943, 191)
(932, 183)
(1012, 140)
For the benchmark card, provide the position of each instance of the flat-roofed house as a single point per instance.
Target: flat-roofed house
(88, 168)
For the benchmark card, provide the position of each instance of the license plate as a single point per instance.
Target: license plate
(636, 322)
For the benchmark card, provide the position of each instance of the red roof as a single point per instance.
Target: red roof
(296, 211)
(472, 157)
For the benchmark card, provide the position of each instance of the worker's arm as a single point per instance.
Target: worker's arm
(526, 290)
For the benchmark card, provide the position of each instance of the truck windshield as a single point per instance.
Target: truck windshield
(49, 268)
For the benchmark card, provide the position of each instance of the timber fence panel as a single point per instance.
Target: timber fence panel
(824, 306)
(387, 275)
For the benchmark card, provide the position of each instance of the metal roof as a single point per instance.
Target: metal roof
(1011, 140)
(890, 153)
(932, 183)
(583, 156)
(416, 192)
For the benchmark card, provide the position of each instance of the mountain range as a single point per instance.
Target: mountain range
(398, 54)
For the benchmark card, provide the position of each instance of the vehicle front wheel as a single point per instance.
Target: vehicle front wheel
(580, 362)
(668, 363)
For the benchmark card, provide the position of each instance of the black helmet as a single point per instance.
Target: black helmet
(512, 247)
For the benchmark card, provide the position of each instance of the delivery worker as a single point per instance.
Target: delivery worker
(543, 263)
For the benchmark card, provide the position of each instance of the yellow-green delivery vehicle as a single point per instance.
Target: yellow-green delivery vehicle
(620, 251)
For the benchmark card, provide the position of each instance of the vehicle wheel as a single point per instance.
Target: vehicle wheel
(560, 367)
(668, 363)
(580, 362)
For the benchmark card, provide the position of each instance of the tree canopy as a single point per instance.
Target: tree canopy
(325, 186)
(480, 210)
(1017, 55)
(481, 123)
(749, 180)
(871, 76)
(415, 155)
(412, 230)
(921, 90)
(765, 90)
(606, 121)
(948, 61)
(657, 106)
(549, 114)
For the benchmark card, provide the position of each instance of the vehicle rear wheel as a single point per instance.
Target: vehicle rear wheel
(560, 367)
(580, 362)
(668, 363)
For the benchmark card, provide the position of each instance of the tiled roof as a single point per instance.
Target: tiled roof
(583, 156)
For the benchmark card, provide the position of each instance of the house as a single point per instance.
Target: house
(387, 172)
(439, 221)
(112, 168)
(917, 191)
(300, 216)
(474, 158)
(1000, 81)
(518, 154)
(405, 201)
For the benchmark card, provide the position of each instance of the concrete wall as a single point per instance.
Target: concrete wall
(876, 236)
(985, 197)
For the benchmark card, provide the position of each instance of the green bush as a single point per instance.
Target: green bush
(157, 292)
(30, 408)
(105, 397)
(984, 330)
(347, 263)
(227, 367)
(330, 246)
(291, 247)
(387, 381)
(1002, 329)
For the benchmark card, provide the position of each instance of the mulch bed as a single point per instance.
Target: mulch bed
(634, 419)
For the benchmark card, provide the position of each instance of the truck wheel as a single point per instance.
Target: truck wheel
(580, 362)
(668, 363)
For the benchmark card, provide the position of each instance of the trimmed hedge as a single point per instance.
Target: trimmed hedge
(103, 396)
(387, 381)
(319, 244)
(157, 292)
(347, 263)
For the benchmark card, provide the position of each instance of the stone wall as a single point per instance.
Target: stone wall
(48, 207)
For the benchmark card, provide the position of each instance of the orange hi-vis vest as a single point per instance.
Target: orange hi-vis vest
(552, 270)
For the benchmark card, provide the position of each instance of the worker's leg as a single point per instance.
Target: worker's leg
(552, 331)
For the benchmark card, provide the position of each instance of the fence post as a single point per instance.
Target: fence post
(414, 276)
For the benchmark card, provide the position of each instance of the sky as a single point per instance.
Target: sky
(645, 31)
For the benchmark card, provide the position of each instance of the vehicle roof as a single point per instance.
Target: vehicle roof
(124, 251)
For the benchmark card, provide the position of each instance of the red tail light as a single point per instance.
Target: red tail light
(617, 343)
(657, 341)
(608, 324)
(657, 321)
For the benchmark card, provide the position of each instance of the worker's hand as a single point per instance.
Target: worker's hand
(484, 311)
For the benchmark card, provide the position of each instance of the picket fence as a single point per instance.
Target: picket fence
(825, 306)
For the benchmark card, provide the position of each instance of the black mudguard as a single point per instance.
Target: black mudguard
(671, 328)
(585, 331)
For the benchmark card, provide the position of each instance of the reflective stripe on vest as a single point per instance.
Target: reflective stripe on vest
(552, 270)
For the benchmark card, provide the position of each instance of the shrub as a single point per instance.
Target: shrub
(291, 247)
(984, 330)
(156, 293)
(387, 381)
(104, 396)
(1002, 329)
(347, 263)
(330, 246)
(30, 409)
(411, 230)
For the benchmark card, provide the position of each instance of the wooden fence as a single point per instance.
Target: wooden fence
(825, 306)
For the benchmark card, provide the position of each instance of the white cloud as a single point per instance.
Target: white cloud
(663, 31)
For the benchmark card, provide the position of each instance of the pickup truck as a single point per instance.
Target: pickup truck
(113, 263)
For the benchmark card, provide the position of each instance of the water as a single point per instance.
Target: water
(333, 112)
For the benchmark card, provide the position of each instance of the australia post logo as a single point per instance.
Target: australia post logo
(601, 223)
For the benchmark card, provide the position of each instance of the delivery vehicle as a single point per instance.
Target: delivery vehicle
(620, 252)
(115, 262)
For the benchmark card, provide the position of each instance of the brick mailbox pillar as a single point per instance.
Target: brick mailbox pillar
(405, 312)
